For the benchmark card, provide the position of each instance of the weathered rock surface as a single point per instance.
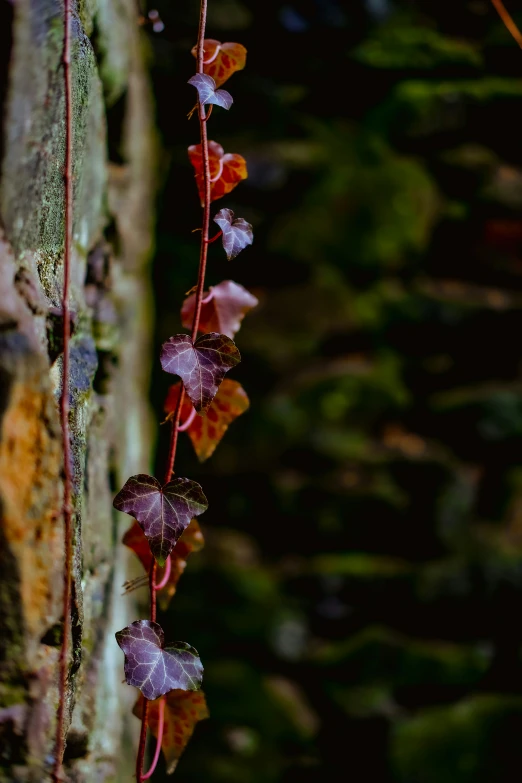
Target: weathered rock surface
(109, 378)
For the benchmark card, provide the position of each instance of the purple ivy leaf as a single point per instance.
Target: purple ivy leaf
(206, 87)
(201, 366)
(154, 668)
(163, 513)
(237, 234)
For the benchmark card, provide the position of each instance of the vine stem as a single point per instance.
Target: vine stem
(195, 326)
(67, 510)
(145, 716)
(508, 21)
(204, 234)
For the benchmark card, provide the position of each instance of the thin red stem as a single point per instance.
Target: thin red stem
(64, 399)
(174, 436)
(152, 585)
(161, 723)
(209, 242)
(145, 717)
(143, 740)
(204, 235)
(508, 21)
(166, 575)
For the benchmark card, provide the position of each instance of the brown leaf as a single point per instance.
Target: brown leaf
(226, 170)
(205, 432)
(183, 709)
(223, 308)
(221, 60)
(191, 541)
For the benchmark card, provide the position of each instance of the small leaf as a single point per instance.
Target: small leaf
(223, 310)
(201, 366)
(191, 541)
(226, 171)
(237, 234)
(162, 512)
(154, 668)
(183, 709)
(221, 60)
(205, 432)
(206, 87)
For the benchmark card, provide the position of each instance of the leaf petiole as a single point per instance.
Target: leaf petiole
(166, 575)
(209, 242)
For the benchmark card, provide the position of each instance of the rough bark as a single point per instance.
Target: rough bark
(109, 378)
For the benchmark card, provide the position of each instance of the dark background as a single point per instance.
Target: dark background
(358, 603)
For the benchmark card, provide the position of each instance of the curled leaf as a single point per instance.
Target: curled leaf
(154, 668)
(191, 541)
(201, 366)
(205, 432)
(183, 709)
(226, 170)
(237, 234)
(163, 512)
(206, 87)
(223, 309)
(221, 60)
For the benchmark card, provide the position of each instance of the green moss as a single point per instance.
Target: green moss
(400, 45)
(112, 42)
(32, 188)
(461, 743)
(378, 656)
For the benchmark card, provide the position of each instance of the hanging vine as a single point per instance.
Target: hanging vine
(203, 404)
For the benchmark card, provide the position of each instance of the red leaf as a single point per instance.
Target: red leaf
(183, 709)
(191, 541)
(223, 309)
(163, 512)
(205, 432)
(221, 60)
(201, 365)
(226, 171)
(156, 668)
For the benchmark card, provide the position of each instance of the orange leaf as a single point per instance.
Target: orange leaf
(183, 709)
(226, 171)
(206, 431)
(191, 541)
(221, 60)
(224, 307)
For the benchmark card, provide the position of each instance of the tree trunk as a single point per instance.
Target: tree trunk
(110, 351)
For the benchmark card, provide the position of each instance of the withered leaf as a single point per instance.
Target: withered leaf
(183, 709)
(223, 308)
(206, 431)
(221, 60)
(191, 541)
(226, 170)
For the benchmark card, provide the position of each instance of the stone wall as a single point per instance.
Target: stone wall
(109, 419)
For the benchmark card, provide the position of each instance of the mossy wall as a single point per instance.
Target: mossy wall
(109, 419)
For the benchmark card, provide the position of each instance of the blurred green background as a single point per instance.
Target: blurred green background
(358, 604)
